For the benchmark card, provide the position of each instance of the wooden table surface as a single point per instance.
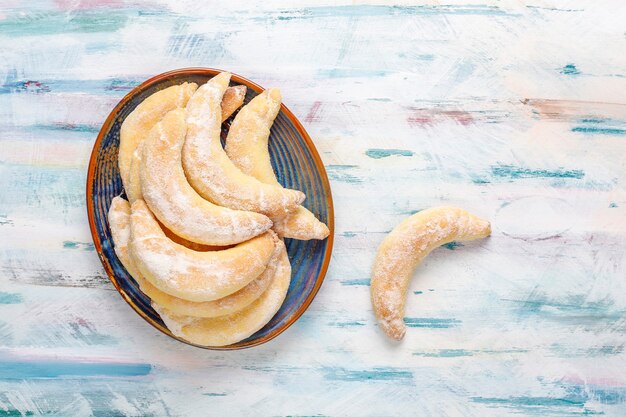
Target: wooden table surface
(514, 110)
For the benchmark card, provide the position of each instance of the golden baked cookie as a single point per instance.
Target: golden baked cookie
(119, 223)
(152, 109)
(226, 330)
(209, 170)
(188, 274)
(247, 147)
(176, 204)
(144, 117)
(405, 247)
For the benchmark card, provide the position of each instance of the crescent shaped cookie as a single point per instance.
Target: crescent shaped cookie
(153, 108)
(119, 223)
(246, 142)
(144, 117)
(247, 147)
(216, 308)
(133, 192)
(226, 330)
(188, 274)
(133, 188)
(176, 204)
(209, 170)
(405, 247)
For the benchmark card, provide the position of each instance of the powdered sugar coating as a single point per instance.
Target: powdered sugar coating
(191, 275)
(405, 247)
(133, 189)
(247, 139)
(225, 330)
(139, 122)
(133, 192)
(119, 223)
(220, 307)
(209, 170)
(176, 204)
(143, 118)
(300, 224)
(247, 147)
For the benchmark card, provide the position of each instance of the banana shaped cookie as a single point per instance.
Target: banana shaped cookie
(222, 306)
(119, 223)
(133, 187)
(209, 170)
(144, 117)
(176, 204)
(247, 139)
(133, 192)
(247, 147)
(153, 108)
(404, 248)
(188, 274)
(226, 330)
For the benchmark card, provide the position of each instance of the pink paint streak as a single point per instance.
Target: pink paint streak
(68, 5)
(552, 109)
(462, 117)
(420, 119)
(598, 381)
(313, 115)
(429, 117)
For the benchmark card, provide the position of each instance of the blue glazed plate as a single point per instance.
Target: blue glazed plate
(296, 163)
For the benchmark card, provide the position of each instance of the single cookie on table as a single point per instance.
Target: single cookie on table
(404, 248)
(247, 148)
(176, 204)
(209, 170)
(226, 330)
(119, 223)
(188, 274)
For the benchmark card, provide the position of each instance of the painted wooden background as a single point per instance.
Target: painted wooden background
(515, 110)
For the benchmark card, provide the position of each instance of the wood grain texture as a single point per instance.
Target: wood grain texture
(512, 110)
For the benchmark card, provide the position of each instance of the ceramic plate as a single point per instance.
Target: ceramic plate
(296, 163)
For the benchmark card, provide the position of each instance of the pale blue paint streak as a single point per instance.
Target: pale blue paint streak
(64, 369)
(385, 153)
(10, 298)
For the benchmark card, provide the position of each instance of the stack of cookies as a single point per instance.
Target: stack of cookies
(201, 232)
